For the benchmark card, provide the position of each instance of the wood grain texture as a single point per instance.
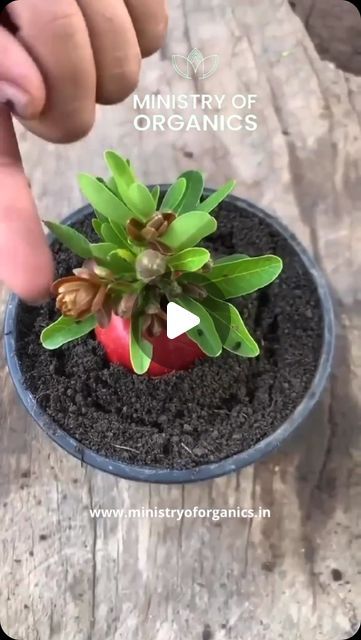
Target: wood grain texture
(65, 575)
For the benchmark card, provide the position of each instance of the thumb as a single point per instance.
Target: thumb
(26, 264)
(21, 84)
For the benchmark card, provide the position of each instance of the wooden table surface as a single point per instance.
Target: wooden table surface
(298, 574)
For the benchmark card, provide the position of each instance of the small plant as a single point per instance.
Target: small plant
(147, 256)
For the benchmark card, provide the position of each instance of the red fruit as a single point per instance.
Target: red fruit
(168, 355)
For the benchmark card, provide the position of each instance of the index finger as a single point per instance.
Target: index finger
(26, 264)
(150, 19)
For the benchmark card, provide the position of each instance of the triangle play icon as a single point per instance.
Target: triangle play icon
(179, 320)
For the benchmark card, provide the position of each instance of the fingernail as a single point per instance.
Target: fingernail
(16, 98)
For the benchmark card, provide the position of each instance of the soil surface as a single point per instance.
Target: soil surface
(220, 407)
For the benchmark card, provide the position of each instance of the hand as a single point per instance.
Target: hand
(61, 59)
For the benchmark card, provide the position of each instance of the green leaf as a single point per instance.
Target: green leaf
(217, 197)
(121, 170)
(174, 195)
(235, 257)
(139, 199)
(122, 238)
(97, 213)
(193, 191)
(155, 195)
(119, 261)
(141, 350)
(125, 255)
(244, 276)
(100, 216)
(102, 250)
(70, 238)
(189, 259)
(109, 184)
(112, 185)
(103, 200)
(97, 226)
(65, 330)
(120, 265)
(205, 334)
(230, 327)
(188, 229)
(108, 234)
(132, 170)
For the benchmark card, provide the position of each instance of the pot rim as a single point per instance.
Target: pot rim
(210, 470)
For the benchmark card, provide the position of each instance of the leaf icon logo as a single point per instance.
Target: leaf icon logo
(195, 59)
(195, 65)
(181, 65)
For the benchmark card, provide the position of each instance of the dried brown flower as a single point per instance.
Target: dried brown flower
(153, 229)
(126, 306)
(82, 294)
(194, 290)
(155, 321)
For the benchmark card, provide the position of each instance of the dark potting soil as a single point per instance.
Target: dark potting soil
(220, 407)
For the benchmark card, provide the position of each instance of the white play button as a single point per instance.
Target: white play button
(179, 320)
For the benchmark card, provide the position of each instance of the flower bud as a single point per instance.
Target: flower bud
(150, 264)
